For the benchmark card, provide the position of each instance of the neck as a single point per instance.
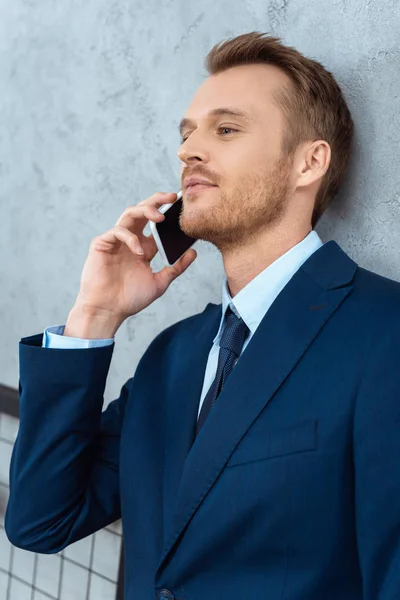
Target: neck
(242, 264)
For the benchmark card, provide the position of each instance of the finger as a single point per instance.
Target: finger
(150, 246)
(138, 212)
(167, 275)
(135, 218)
(110, 238)
(159, 198)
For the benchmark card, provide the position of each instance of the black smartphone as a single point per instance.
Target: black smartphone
(171, 241)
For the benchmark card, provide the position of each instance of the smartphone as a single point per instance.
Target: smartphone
(171, 241)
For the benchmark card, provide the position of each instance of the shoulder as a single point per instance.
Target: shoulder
(376, 292)
(371, 310)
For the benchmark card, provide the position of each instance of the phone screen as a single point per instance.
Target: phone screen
(174, 240)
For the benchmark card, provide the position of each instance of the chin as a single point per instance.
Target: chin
(199, 220)
(205, 230)
(197, 224)
(192, 226)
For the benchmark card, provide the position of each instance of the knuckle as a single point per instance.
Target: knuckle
(128, 211)
(124, 232)
(118, 231)
(157, 197)
(175, 271)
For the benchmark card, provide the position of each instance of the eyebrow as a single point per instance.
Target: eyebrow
(216, 112)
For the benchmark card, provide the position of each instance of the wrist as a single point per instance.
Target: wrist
(91, 324)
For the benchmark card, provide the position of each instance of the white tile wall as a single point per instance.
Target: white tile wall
(20, 591)
(107, 547)
(101, 589)
(5, 551)
(3, 502)
(116, 527)
(80, 551)
(22, 564)
(8, 427)
(74, 581)
(48, 573)
(39, 596)
(3, 585)
(5, 457)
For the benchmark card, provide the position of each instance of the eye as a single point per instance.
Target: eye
(230, 128)
(183, 139)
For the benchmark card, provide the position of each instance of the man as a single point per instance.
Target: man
(273, 476)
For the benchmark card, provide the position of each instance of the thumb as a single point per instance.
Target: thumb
(167, 275)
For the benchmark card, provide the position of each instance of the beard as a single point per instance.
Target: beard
(255, 204)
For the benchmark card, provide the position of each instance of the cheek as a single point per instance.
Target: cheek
(252, 159)
(242, 162)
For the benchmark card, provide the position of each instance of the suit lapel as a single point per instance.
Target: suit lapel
(283, 336)
(183, 396)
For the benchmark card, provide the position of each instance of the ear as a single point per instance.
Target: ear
(312, 162)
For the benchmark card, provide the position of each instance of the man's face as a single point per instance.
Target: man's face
(241, 156)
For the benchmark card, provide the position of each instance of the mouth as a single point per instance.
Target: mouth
(198, 187)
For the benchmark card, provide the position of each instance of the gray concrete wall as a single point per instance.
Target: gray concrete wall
(90, 97)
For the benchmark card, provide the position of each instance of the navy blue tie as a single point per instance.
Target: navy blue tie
(233, 337)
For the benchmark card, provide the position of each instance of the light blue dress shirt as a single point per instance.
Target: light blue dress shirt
(251, 304)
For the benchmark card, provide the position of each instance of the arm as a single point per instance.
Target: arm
(64, 482)
(377, 471)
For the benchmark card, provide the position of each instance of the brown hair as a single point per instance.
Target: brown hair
(314, 107)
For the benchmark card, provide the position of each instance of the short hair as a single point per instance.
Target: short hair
(314, 106)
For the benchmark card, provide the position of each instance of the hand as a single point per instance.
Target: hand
(116, 279)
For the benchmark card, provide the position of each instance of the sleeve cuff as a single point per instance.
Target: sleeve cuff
(53, 338)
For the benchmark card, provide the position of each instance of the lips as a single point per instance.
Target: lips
(192, 181)
(197, 187)
(192, 185)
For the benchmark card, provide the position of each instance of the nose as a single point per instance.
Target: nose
(191, 152)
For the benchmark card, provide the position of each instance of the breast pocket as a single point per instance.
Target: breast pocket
(261, 443)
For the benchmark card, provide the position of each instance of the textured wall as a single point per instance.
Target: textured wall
(90, 98)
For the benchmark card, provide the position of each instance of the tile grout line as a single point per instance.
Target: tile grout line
(89, 583)
(89, 568)
(9, 572)
(35, 587)
(35, 564)
(9, 442)
(61, 573)
(23, 581)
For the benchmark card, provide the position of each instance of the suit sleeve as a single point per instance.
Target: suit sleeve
(377, 471)
(64, 471)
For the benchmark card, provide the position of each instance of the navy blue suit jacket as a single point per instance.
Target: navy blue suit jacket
(291, 491)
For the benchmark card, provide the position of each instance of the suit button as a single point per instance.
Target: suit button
(165, 595)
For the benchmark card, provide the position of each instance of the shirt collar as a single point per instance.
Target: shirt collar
(253, 301)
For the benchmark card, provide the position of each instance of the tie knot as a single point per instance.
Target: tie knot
(234, 333)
